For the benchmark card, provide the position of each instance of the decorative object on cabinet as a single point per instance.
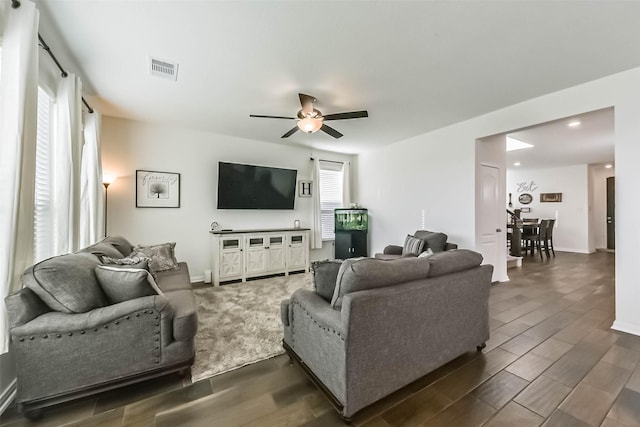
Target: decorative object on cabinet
(243, 254)
(550, 197)
(157, 189)
(351, 227)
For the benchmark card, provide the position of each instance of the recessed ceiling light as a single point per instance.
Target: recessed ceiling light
(574, 123)
(608, 166)
(516, 164)
(516, 144)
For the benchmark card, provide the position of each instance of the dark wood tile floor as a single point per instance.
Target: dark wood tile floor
(552, 360)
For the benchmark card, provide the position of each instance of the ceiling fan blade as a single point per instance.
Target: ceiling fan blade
(306, 101)
(350, 115)
(331, 131)
(291, 132)
(271, 117)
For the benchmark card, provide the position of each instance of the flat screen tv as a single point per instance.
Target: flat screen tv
(255, 187)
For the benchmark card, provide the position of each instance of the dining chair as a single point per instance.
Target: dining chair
(549, 240)
(538, 239)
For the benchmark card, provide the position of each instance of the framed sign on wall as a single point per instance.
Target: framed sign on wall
(157, 189)
(551, 197)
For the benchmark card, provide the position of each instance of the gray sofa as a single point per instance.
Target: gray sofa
(433, 240)
(71, 340)
(387, 323)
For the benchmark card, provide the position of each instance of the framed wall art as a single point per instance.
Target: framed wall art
(157, 189)
(551, 197)
(525, 198)
(304, 188)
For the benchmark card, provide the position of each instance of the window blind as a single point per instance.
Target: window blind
(331, 184)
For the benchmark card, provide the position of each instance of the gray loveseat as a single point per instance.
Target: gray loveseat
(433, 240)
(387, 322)
(71, 340)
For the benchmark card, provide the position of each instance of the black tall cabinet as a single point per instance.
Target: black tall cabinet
(351, 228)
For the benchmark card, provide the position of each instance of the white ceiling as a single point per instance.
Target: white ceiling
(415, 66)
(557, 144)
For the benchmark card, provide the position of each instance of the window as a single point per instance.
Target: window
(43, 211)
(331, 184)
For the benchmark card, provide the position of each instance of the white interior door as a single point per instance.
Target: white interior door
(491, 236)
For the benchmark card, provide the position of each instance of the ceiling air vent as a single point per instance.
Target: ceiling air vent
(164, 69)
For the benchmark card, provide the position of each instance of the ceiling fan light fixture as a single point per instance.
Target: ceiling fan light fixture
(310, 124)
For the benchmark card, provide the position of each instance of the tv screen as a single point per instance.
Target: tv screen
(255, 187)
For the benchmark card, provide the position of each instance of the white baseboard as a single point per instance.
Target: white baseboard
(8, 395)
(577, 251)
(195, 279)
(629, 328)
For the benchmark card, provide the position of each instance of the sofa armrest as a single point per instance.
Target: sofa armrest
(316, 308)
(449, 246)
(392, 250)
(56, 322)
(24, 306)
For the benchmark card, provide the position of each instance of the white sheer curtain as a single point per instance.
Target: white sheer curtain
(18, 106)
(346, 184)
(316, 229)
(67, 154)
(91, 199)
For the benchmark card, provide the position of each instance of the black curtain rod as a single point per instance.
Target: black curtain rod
(328, 161)
(64, 74)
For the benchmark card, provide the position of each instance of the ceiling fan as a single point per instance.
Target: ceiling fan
(311, 120)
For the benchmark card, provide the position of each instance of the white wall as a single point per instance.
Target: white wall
(598, 179)
(436, 172)
(129, 145)
(571, 232)
(492, 152)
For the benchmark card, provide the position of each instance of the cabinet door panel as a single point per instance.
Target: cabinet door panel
(343, 245)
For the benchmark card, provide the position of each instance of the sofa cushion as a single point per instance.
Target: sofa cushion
(412, 245)
(124, 284)
(452, 261)
(325, 274)
(435, 241)
(162, 256)
(357, 274)
(103, 249)
(120, 243)
(67, 283)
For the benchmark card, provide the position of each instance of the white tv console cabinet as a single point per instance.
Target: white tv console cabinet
(241, 254)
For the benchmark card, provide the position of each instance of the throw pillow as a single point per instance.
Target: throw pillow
(357, 274)
(124, 284)
(435, 241)
(412, 245)
(161, 257)
(128, 262)
(324, 277)
(102, 249)
(426, 254)
(67, 283)
(120, 243)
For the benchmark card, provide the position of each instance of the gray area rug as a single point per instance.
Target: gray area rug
(239, 324)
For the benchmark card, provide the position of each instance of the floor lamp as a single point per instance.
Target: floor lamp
(106, 181)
